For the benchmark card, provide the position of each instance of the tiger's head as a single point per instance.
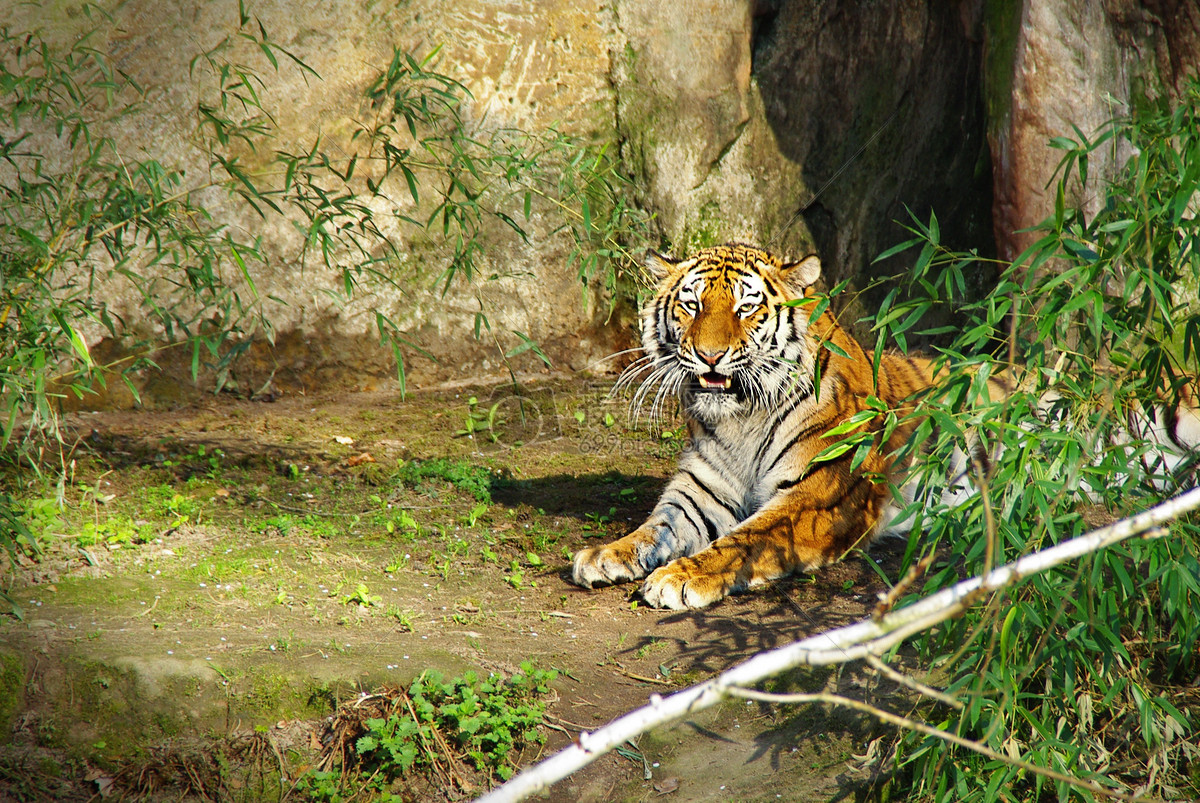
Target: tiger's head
(718, 332)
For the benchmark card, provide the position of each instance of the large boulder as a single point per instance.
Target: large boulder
(1061, 65)
(806, 125)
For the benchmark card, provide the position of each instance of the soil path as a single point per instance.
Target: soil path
(239, 569)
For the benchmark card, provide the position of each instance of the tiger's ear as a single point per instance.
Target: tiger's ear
(660, 267)
(803, 274)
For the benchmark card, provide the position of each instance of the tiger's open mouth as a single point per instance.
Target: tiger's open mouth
(713, 381)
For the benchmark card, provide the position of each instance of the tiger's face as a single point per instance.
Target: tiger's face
(719, 334)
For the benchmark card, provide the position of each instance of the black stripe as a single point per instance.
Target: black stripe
(776, 341)
(811, 429)
(709, 526)
(807, 432)
(660, 316)
(921, 380)
(858, 478)
(792, 403)
(732, 511)
(1170, 422)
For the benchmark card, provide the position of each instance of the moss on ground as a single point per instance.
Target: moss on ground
(269, 581)
(12, 691)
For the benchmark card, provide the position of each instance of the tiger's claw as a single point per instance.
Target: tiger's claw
(628, 558)
(604, 565)
(674, 586)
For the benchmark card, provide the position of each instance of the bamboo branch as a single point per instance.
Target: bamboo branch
(841, 645)
(912, 683)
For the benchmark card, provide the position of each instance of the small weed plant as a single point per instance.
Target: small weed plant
(1081, 670)
(113, 532)
(362, 596)
(481, 422)
(485, 722)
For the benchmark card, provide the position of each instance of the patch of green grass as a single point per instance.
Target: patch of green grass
(404, 618)
(203, 460)
(542, 539)
(474, 480)
(320, 526)
(283, 523)
(323, 786)
(164, 502)
(396, 564)
(23, 525)
(398, 521)
(488, 554)
(516, 576)
(12, 689)
(219, 568)
(646, 648)
(472, 518)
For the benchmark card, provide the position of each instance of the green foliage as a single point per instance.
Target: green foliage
(603, 222)
(164, 502)
(321, 785)
(484, 721)
(76, 213)
(34, 521)
(475, 480)
(208, 463)
(480, 421)
(16, 537)
(1072, 669)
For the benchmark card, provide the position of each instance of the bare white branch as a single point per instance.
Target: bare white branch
(841, 645)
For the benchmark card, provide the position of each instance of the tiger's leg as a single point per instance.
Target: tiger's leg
(687, 517)
(782, 538)
(628, 558)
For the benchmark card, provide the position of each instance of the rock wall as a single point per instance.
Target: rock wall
(527, 63)
(800, 124)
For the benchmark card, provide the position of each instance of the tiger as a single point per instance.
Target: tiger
(761, 382)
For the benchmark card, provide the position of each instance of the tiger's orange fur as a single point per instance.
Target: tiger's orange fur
(747, 505)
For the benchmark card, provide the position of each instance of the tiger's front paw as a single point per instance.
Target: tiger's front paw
(618, 562)
(680, 586)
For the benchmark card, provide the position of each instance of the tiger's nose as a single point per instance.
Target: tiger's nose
(711, 358)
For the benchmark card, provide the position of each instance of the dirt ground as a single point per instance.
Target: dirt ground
(237, 570)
